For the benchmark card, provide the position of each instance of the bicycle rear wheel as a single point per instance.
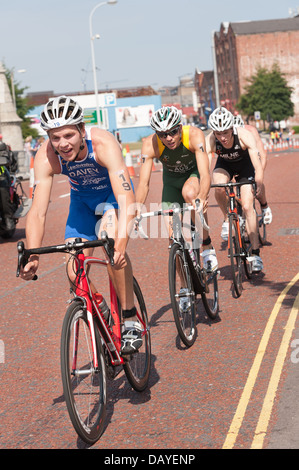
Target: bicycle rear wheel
(235, 255)
(183, 302)
(137, 367)
(84, 387)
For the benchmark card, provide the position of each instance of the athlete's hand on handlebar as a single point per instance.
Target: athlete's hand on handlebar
(28, 272)
(119, 260)
(200, 209)
(198, 205)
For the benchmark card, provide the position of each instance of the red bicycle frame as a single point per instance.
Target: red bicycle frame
(234, 213)
(111, 335)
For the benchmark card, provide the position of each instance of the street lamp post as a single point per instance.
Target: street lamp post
(109, 2)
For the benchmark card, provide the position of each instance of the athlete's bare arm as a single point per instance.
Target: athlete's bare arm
(259, 144)
(198, 146)
(149, 151)
(210, 145)
(46, 164)
(108, 154)
(248, 141)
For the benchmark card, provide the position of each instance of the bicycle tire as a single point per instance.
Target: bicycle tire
(262, 231)
(210, 296)
(247, 251)
(184, 319)
(85, 394)
(235, 256)
(137, 368)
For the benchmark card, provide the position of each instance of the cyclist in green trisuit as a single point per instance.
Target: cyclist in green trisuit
(186, 174)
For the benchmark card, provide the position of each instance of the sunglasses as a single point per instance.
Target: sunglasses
(163, 135)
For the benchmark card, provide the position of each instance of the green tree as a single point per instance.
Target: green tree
(22, 106)
(269, 93)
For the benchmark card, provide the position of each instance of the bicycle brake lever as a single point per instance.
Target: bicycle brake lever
(20, 248)
(139, 229)
(107, 246)
(22, 259)
(202, 219)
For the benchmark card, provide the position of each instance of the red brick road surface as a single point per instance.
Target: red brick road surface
(193, 393)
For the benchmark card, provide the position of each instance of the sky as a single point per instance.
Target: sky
(142, 42)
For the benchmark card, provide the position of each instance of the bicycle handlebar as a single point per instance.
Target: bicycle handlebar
(75, 245)
(170, 212)
(233, 184)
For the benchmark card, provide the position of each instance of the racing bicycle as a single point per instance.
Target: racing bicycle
(187, 277)
(239, 246)
(91, 339)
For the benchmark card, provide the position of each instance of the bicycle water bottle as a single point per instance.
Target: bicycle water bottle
(102, 305)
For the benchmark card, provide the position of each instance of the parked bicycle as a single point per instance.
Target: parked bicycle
(239, 246)
(187, 277)
(89, 357)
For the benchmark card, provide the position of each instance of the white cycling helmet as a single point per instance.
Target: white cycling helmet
(61, 111)
(165, 119)
(238, 121)
(221, 119)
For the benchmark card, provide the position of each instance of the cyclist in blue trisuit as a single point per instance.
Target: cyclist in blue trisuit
(237, 157)
(100, 185)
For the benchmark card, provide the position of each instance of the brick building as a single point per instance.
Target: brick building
(241, 48)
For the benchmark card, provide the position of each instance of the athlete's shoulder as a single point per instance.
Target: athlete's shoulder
(194, 131)
(150, 145)
(252, 129)
(46, 160)
(246, 137)
(101, 135)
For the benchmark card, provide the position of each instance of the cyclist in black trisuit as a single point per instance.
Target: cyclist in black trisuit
(237, 157)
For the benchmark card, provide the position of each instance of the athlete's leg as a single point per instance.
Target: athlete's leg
(122, 279)
(247, 197)
(220, 176)
(190, 191)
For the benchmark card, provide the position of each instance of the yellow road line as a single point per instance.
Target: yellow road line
(262, 425)
(245, 397)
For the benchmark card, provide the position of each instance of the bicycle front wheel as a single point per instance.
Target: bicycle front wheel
(210, 295)
(137, 367)
(182, 295)
(235, 255)
(84, 386)
(262, 231)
